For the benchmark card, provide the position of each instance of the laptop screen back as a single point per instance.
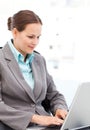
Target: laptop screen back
(79, 113)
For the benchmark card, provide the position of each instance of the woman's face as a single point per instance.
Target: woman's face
(26, 40)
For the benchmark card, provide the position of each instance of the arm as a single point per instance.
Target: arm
(56, 102)
(60, 111)
(55, 98)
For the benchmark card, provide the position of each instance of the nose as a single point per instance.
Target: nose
(35, 41)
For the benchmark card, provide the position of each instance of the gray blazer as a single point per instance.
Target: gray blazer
(18, 102)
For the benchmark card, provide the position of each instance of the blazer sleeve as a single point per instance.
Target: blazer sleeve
(53, 96)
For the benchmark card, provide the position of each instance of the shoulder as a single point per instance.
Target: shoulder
(36, 53)
(1, 55)
(0, 49)
(38, 56)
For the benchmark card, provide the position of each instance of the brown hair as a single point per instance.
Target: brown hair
(21, 19)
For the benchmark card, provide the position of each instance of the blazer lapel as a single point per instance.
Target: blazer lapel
(37, 71)
(13, 66)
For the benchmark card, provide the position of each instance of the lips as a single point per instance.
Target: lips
(31, 47)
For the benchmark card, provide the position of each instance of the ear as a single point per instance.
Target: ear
(14, 32)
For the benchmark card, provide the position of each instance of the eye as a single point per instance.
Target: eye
(38, 37)
(31, 37)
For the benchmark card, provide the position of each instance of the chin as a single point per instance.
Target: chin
(29, 52)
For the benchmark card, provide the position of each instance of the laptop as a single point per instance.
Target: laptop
(79, 112)
(78, 116)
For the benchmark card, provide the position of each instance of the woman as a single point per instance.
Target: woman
(26, 88)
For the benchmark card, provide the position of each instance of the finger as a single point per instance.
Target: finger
(59, 122)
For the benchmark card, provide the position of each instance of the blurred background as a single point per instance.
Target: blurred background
(65, 40)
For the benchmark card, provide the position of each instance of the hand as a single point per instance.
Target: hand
(60, 113)
(46, 120)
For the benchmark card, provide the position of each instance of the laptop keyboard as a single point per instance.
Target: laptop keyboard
(52, 128)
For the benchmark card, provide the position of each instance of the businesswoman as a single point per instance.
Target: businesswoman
(28, 94)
